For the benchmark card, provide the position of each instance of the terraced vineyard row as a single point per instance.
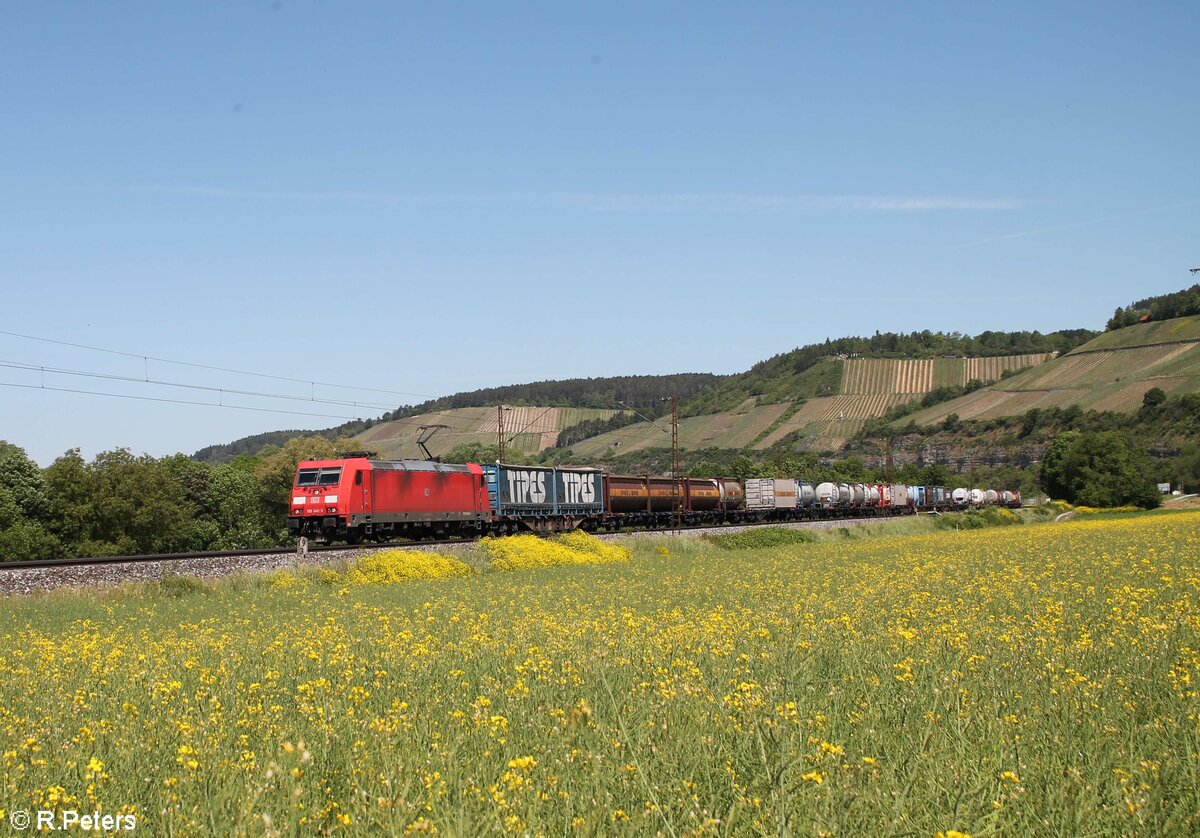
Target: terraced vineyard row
(1105, 379)
(835, 419)
(532, 429)
(1093, 368)
(882, 375)
(990, 369)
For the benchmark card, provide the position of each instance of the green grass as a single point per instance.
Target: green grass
(1162, 331)
(760, 537)
(1037, 679)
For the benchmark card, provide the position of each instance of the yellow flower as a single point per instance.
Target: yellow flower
(813, 777)
(522, 763)
(95, 766)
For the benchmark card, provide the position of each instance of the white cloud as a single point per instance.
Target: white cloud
(1020, 234)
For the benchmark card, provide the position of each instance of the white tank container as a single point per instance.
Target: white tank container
(827, 495)
(960, 497)
(806, 494)
(975, 497)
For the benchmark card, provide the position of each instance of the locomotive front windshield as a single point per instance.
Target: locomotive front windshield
(319, 476)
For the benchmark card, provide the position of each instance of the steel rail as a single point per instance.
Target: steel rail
(222, 554)
(337, 548)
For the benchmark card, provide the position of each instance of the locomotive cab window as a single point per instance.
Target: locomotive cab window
(358, 478)
(319, 476)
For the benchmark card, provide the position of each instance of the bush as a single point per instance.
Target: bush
(761, 537)
(525, 552)
(1100, 470)
(174, 585)
(977, 519)
(390, 566)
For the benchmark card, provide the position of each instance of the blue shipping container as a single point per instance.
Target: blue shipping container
(527, 490)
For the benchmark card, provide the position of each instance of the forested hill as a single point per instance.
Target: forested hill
(799, 373)
(644, 392)
(1185, 303)
(781, 377)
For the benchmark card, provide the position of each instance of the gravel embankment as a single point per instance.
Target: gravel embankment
(35, 579)
(15, 582)
(824, 524)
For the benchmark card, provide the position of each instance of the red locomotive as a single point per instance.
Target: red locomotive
(352, 498)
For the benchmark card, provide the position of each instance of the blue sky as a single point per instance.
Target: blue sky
(425, 199)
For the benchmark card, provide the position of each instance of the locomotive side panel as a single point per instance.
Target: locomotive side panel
(409, 490)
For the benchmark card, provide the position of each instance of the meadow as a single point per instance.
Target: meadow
(1035, 679)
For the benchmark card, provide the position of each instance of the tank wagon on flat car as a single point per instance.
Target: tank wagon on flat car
(358, 498)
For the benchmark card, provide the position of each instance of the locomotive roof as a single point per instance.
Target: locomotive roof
(418, 465)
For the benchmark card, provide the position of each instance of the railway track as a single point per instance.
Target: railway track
(21, 578)
(316, 550)
(224, 554)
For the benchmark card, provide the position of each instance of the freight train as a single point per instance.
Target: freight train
(360, 498)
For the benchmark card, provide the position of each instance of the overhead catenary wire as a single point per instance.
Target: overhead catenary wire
(480, 432)
(20, 365)
(175, 401)
(146, 358)
(530, 424)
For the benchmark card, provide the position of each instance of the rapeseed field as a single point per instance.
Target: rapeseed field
(1025, 680)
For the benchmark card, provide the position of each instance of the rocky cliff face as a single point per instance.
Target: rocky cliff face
(966, 453)
(955, 454)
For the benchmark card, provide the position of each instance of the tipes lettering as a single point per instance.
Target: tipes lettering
(530, 487)
(527, 486)
(578, 488)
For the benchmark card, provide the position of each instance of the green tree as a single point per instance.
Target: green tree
(137, 506)
(240, 519)
(69, 487)
(24, 508)
(22, 538)
(275, 475)
(23, 480)
(1185, 471)
(479, 452)
(1097, 469)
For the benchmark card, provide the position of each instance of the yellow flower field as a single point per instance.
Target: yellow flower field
(1037, 679)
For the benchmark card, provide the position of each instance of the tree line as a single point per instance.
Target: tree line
(698, 393)
(801, 374)
(125, 504)
(1183, 303)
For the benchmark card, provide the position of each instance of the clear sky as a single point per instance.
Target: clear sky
(427, 198)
